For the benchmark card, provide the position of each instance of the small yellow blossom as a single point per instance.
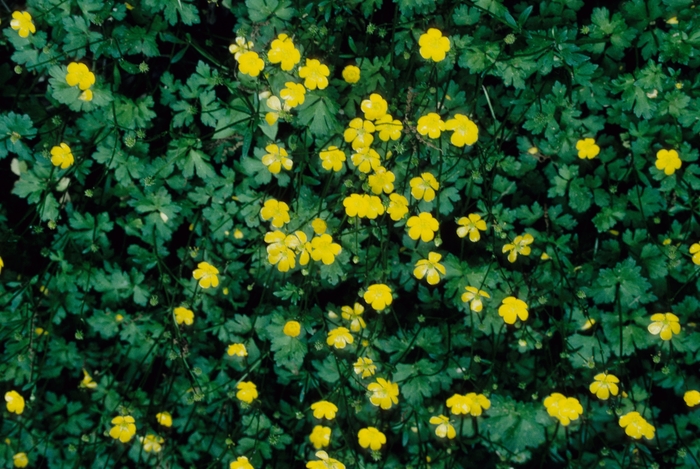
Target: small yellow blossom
(364, 366)
(183, 315)
(430, 268)
(324, 249)
(164, 418)
(207, 275)
(381, 181)
(87, 381)
(332, 159)
(315, 74)
(320, 436)
(239, 47)
(15, 402)
(371, 438)
(444, 426)
(433, 45)
(587, 148)
(471, 225)
(276, 158)
(374, 107)
(2, 264)
(23, 24)
(588, 324)
(398, 207)
(563, 408)
(86, 95)
(694, 250)
(636, 426)
(282, 51)
(351, 74)
(513, 308)
(247, 391)
(672, 20)
(665, 325)
(691, 398)
(277, 107)
(472, 404)
(667, 161)
(62, 156)
(324, 410)
(79, 74)
(359, 132)
(293, 94)
(325, 462)
(124, 428)
(424, 187)
(20, 460)
(319, 226)
(292, 329)
(354, 315)
(237, 350)
(388, 128)
(384, 393)
(465, 132)
(431, 125)
(152, 443)
(604, 385)
(378, 296)
(277, 211)
(423, 226)
(473, 296)
(520, 245)
(339, 337)
(366, 159)
(240, 463)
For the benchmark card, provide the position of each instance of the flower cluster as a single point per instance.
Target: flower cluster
(563, 408)
(470, 404)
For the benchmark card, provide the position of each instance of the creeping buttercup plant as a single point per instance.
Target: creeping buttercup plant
(373, 234)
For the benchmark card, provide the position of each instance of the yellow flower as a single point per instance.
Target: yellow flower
(274, 103)
(371, 438)
(319, 226)
(292, 329)
(604, 385)
(276, 159)
(339, 337)
(324, 249)
(247, 391)
(691, 398)
(351, 74)
(388, 128)
(315, 74)
(152, 443)
(384, 393)
(431, 125)
(320, 436)
(87, 381)
(694, 250)
(20, 460)
(23, 24)
(375, 206)
(62, 156)
(444, 427)
(423, 226)
(378, 296)
(293, 94)
(472, 403)
(424, 187)
(356, 205)
(473, 296)
(381, 181)
(366, 159)
(513, 308)
(472, 224)
(124, 428)
(282, 51)
(433, 45)
(667, 161)
(324, 409)
(332, 159)
(325, 462)
(240, 463)
(665, 324)
(365, 367)
(79, 74)
(587, 148)
(359, 132)
(277, 211)
(2, 264)
(238, 350)
(374, 107)
(354, 315)
(85, 95)
(563, 408)
(465, 132)
(164, 418)
(279, 251)
(183, 316)
(206, 274)
(636, 426)
(519, 246)
(430, 268)
(240, 47)
(398, 207)
(15, 402)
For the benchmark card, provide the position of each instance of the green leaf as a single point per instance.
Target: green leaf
(260, 10)
(515, 425)
(16, 128)
(319, 114)
(627, 279)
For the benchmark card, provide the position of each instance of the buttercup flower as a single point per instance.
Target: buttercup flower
(665, 325)
(277, 211)
(362, 206)
(324, 409)
(282, 51)
(239, 47)
(20, 460)
(694, 250)
(371, 438)
(164, 418)
(276, 158)
(473, 296)
(378, 296)
(424, 187)
(381, 181)
(431, 125)
(667, 161)
(471, 225)
(2, 264)
(364, 366)
(430, 268)
(241, 463)
(62, 156)
(332, 159)
(293, 94)
(636, 426)
(366, 159)
(247, 391)
(79, 74)
(351, 74)
(375, 207)
(315, 74)
(465, 132)
(473, 404)
(324, 249)
(23, 24)
(354, 315)
(374, 107)
(388, 128)
(15, 402)
(87, 381)
(422, 226)
(320, 436)
(691, 398)
(563, 408)
(319, 226)
(513, 308)
(359, 132)
(384, 393)
(433, 45)
(152, 443)
(124, 428)
(339, 337)
(183, 316)
(237, 350)
(277, 108)
(587, 148)
(398, 207)
(207, 275)
(444, 427)
(292, 329)
(325, 462)
(604, 385)
(520, 245)
(85, 95)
